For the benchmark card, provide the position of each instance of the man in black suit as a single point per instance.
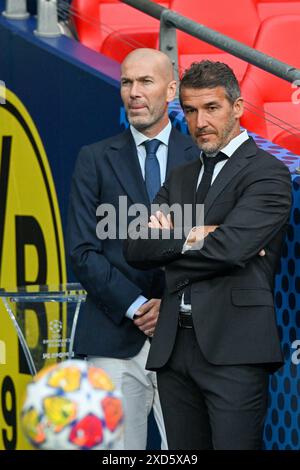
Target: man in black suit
(216, 339)
(123, 303)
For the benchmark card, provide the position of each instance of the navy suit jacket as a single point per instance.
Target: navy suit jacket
(104, 171)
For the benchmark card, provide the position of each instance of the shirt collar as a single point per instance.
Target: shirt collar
(234, 144)
(163, 135)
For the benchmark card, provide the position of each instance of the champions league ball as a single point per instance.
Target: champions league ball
(72, 405)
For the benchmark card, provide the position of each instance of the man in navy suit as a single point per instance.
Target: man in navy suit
(123, 303)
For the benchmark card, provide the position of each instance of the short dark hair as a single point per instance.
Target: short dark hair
(208, 74)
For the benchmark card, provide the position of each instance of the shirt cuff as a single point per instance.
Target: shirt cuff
(135, 306)
(187, 247)
(192, 246)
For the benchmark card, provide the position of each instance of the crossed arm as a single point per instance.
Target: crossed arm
(260, 213)
(195, 236)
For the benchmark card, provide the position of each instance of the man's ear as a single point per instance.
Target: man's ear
(171, 91)
(238, 107)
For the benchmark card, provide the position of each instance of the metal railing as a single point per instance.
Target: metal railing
(16, 9)
(47, 22)
(170, 19)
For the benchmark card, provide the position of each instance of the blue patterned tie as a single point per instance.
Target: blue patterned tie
(152, 168)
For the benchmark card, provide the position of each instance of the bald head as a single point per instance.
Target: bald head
(154, 58)
(147, 86)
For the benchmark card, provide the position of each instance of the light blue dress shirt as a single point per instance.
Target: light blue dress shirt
(162, 156)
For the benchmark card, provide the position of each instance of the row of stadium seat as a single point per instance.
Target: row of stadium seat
(274, 112)
(96, 20)
(115, 29)
(267, 8)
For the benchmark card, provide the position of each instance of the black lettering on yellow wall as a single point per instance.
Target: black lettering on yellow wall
(9, 410)
(4, 175)
(29, 232)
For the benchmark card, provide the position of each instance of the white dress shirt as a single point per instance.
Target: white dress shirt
(162, 156)
(229, 150)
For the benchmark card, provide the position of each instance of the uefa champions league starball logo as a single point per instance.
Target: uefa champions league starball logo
(55, 327)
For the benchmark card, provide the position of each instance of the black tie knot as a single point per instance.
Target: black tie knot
(151, 146)
(210, 162)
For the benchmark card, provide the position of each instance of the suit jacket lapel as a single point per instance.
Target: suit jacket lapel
(180, 150)
(188, 189)
(235, 164)
(123, 158)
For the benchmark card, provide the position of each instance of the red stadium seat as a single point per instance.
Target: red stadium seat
(119, 43)
(85, 14)
(270, 94)
(267, 8)
(236, 19)
(289, 141)
(118, 28)
(238, 66)
(95, 20)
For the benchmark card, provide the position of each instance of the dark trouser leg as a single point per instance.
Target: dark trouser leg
(236, 400)
(237, 406)
(204, 403)
(185, 414)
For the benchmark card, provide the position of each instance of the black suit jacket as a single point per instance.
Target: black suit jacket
(104, 171)
(232, 287)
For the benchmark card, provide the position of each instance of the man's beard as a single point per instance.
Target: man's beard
(141, 124)
(213, 149)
